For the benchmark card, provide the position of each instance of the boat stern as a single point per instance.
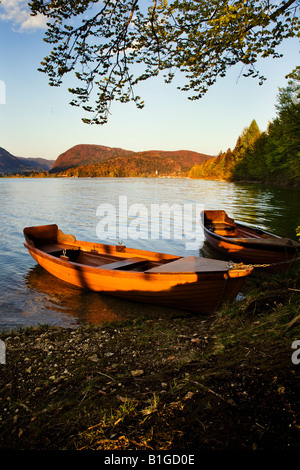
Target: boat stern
(41, 234)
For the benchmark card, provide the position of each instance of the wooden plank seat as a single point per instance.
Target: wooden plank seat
(128, 262)
(190, 264)
(223, 228)
(54, 247)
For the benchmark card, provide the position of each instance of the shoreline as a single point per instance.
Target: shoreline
(276, 184)
(177, 383)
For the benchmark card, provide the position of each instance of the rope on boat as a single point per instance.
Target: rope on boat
(265, 265)
(240, 265)
(233, 265)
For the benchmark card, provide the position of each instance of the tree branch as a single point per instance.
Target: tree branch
(282, 9)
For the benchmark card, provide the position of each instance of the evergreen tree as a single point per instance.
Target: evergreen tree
(271, 156)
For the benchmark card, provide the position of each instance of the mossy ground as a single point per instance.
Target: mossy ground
(180, 382)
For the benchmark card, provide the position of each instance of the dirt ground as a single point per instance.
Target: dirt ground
(173, 381)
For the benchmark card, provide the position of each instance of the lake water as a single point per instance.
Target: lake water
(30, 296)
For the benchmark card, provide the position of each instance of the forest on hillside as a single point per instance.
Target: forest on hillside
(133, 166)
(272, 156)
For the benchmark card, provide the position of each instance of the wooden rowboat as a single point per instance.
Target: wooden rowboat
(191, 283)
(249, 245)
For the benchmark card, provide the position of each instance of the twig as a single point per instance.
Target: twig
(208, 389)
(105, 375)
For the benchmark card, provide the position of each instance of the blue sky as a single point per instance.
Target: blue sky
(36, 120)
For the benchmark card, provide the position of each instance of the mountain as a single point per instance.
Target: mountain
(85, 154)
(97, 160)
(11, 164)
(40, 164)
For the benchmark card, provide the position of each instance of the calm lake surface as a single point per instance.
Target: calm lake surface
(30, 296)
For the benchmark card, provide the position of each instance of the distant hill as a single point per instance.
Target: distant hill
(12, 164)
(87, 155)
(9, 163)
(97, 160)
(37, 163)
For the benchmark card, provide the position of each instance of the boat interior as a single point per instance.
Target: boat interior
(51, 240)
(221, 224)
(105, 260)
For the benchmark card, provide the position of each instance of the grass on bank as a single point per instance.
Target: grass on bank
(177, 382)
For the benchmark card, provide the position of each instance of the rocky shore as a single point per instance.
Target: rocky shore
(182, 382)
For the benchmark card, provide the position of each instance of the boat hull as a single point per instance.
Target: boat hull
(191, 283)
(255, 247)
(200, 293)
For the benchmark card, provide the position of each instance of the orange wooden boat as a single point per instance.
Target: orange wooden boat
(192, 283)
(249, 245)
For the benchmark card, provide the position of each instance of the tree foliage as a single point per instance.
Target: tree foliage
(271, 156)
(113, 45)
(227, 164)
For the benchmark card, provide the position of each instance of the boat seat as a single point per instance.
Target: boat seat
(54, 247)
(124, 263)
(223, 228)
(223, 225)
(190, 264)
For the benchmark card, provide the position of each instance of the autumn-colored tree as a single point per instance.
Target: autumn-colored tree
(271, 156)
(231, 164)
(113, 45)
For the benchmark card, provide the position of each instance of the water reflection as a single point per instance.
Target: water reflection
(86, 306)
(274, 209)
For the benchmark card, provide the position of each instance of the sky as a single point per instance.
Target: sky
(36, 120)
